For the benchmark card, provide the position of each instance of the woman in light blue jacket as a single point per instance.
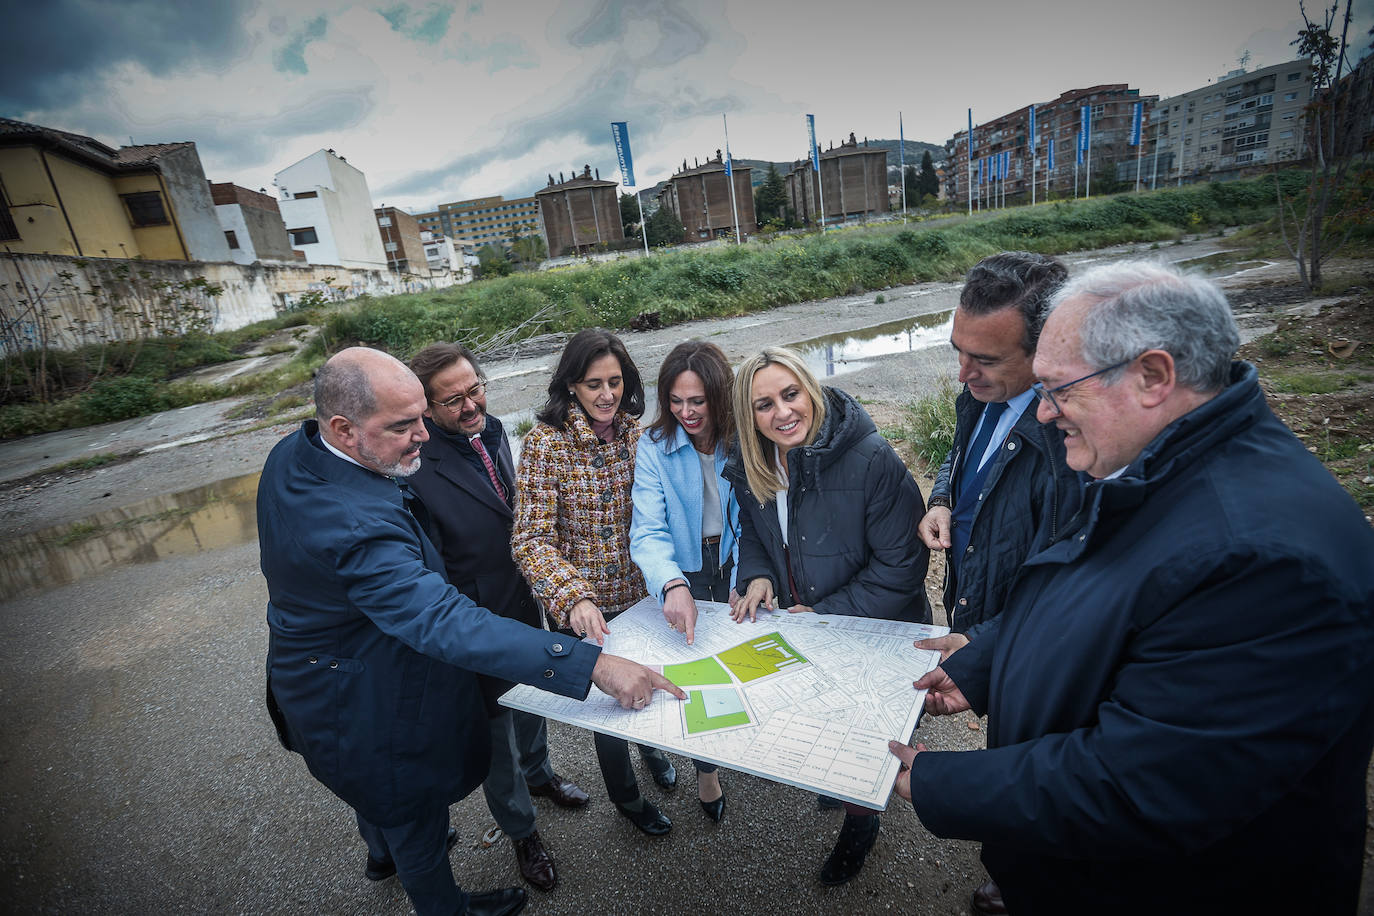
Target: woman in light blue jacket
(683, 533)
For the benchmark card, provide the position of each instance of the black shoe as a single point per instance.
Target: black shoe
(856, 838)
(826, 803)
(506, 902)
(715, 810)
(380, 871)
(648, 819)
(666, 779)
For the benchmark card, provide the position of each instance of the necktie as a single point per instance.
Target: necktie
(991, 414)
(481, 450)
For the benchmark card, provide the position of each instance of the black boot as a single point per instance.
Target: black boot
(856, 838)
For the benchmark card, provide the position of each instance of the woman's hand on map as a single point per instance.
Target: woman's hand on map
(906, 754)
(586, 620)
(760, 591)
(680, 610)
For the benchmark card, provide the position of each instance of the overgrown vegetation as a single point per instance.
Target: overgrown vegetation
(928, 426)
(44, 389)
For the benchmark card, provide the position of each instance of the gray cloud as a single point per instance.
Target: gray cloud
(58, 49)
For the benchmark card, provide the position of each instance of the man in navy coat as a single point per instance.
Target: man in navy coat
(371, 653)
(466, 491)
(1180, 703)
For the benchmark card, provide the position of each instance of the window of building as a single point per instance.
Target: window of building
(9, 232)
(145, 208)
(1285, 135)
(384, 221)
(390, 246)
(303, 236)
(1290, 96)
(1267, 99)
(307, 194)
(232, 239)
(1289, 116)
(1097, 110)
(1294, 77)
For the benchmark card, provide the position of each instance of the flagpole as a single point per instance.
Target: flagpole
(730, 179)
(1138, 135)
(970, 162)
(901, 161)
(1088, 158)
(1032, 154)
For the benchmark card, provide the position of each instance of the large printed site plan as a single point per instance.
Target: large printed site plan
(806, 699)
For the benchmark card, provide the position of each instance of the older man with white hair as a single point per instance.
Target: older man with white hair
(1179, 691)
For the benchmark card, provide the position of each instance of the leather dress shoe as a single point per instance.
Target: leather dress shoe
(715, 810)
(987, 900)
(856, 838)
(565, 794)
(648, 819)
(667, 779)
(380, 871)
(506, 902)
(536, 865)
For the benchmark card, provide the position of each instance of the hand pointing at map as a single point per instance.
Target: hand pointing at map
(630, 682)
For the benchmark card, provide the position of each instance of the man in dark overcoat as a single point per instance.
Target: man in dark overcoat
(466, 491)
(1180, 707)
(372, 656)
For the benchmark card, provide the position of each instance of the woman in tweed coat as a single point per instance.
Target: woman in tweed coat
(572, 524)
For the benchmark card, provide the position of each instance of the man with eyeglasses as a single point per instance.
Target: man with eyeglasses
(466, 491)
(1181, 711)
(1005, 478)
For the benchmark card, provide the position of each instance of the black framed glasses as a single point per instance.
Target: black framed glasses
(1047, 394)
(456, 402)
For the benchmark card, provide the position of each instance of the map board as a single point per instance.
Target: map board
(809, 700)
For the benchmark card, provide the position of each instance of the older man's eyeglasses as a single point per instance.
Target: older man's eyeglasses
(456, 402)
(1047, 394)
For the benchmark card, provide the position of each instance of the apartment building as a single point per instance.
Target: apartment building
(853, 184)
(473, 224)
(700, 199)
(327, 208)
(252, 224)
(1241, 121)
(402, 241)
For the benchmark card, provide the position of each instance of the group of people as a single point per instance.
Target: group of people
(1144, 573)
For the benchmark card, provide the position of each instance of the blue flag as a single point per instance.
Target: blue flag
(1006, 165)
(1135, 125)
(815, 150)
(1032, 128)
(1082, 132)
(970, 135)
(620, 130)
(1049, 152)
(728, 170)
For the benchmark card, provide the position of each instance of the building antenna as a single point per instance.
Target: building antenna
(1244, 59)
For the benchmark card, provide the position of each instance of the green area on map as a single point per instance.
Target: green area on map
(701, 672)
(710, 710)
(760, 657)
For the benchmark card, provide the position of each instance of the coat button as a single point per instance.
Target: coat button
(963, 602)
(969, 549)
(598, 461)
(607, 496)
(623, 453)
(548, 673)
(612, 569)
(334, 663)
(1011, 446)
(557, 647)
(312, 659)
(607, 531)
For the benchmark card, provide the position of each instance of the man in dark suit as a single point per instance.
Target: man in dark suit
(371, 653)
(1180, 708)
(1005, 479)
(466, 490)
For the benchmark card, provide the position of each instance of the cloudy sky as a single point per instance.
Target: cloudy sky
(441, 101)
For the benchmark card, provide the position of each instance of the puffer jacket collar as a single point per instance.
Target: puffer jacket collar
(846, 423)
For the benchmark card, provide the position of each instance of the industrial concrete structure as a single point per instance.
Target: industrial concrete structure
(328, 212)
(853, 184)
(68, 194)
(580, 214)
(481, 221)
(402, 241)
(1111, 109)
(252, 225)
(700, 198)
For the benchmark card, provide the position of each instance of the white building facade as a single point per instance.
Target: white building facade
(327, 209)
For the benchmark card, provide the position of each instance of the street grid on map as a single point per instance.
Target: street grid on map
(810, 700)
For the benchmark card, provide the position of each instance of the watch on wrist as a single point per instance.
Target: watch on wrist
(939, 501)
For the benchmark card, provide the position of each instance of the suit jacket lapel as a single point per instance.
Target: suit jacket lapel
(465, 475)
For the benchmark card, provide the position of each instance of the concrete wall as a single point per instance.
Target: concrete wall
(184, 179)
(92, 299)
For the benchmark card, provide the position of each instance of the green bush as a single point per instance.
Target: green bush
(121, 398)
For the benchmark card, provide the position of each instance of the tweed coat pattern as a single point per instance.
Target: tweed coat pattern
(572, 516)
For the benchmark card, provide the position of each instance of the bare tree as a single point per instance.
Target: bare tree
(1318, 219)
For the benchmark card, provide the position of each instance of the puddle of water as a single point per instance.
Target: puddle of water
(220, 514)
(836, 354)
